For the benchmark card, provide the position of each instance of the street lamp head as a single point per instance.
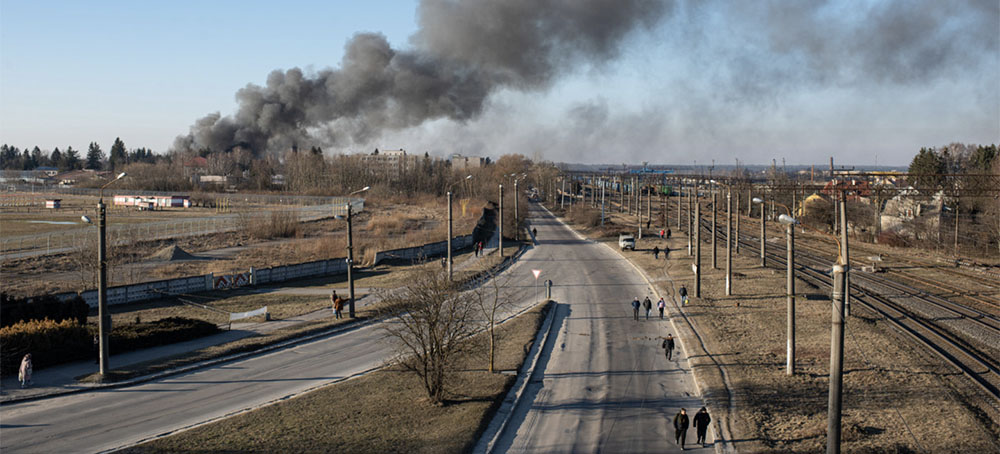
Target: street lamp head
(121, 175)
(787, 220)
(86, 219)
(468, 177)
(757, 200)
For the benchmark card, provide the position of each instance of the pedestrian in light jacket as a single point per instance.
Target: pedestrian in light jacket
(24, 372)
(661, 305)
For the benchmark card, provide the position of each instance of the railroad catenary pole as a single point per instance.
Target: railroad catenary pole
(715, 261)
(697, 242)
(449, 235)
(729, 242)
(602, 202)
(517, 225)
(690, 212)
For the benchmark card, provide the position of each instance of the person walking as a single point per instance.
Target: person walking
(338, 305)
(661, 305)
(668, 234)
(656, 252)
(648, 305)
(681, 427)
(635, 308)
(97, 349)
(24, 372)
(668, 346)
(684, 295)
(701, 420)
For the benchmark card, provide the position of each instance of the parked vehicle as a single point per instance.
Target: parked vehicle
(626, 241)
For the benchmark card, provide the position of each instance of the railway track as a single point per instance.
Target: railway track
(964, 337)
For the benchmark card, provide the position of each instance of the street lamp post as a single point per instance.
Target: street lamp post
(350, 251)
(715, 211)
(449, 224)
(103, 316)
(500, 243)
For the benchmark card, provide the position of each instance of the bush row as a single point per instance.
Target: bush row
(17, 310)
(55, 342)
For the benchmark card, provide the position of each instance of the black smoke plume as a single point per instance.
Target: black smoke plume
(462, 52)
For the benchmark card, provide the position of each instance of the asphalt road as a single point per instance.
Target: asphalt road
(606, 387)
(606, 384)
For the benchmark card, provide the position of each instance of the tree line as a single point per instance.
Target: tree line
(14, 158)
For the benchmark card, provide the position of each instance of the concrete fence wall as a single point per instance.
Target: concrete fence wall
(205, 282)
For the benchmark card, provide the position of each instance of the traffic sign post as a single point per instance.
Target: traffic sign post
(536, 273)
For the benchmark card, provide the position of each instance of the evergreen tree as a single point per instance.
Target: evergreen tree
(56, 158)
(38, 157)
(26, 162)
(117, 157)
(71, 159)
(982, 159)
(926, 169)
(95, 156)
(9, 157)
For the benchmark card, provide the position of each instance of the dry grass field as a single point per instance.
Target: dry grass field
(383, 412)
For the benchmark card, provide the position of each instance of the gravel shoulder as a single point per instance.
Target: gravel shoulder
(897, 396)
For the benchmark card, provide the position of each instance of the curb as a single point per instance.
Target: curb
(199, 365)
(513, 397)
(722, 444)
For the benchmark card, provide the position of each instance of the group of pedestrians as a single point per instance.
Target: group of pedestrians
(681, 422)
(647, 304)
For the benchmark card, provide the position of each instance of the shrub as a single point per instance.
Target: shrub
(51, 342)
(17, 310)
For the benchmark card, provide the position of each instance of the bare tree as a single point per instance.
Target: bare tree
(492, 301)
(435, 320)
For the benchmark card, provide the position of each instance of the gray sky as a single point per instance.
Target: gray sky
(591, 82)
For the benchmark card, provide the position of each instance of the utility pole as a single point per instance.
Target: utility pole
(103, 316)
(737, 222)
(602, 202)
(836, 361)
(697, 241)
(638, 211)
(350, 261)
(846, 254)
(562, 195)
(449, 235)
(790, 298)
(621, 194)
(690, 211)
(501, 221)
(517, 224)
(763, 234)
(680, 197)
(729, 242)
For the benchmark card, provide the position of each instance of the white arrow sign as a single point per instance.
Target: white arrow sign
(536, 273)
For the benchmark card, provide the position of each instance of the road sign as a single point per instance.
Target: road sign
(536, 273)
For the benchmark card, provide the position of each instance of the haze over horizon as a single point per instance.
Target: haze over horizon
(668, 82)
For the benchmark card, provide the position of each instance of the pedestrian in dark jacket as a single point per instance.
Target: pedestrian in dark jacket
(648, 305)
(681, 427)
(338, 305)
(701, 420)
(684, 295)
(668, 345)
(635, 308)
(656, 252)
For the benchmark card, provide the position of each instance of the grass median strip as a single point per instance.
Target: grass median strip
(385, 411)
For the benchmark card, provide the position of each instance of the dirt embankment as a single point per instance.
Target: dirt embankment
(897, 396)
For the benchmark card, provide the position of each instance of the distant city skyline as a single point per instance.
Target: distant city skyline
(621, 81)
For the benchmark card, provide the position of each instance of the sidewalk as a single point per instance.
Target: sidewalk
(59, 380)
